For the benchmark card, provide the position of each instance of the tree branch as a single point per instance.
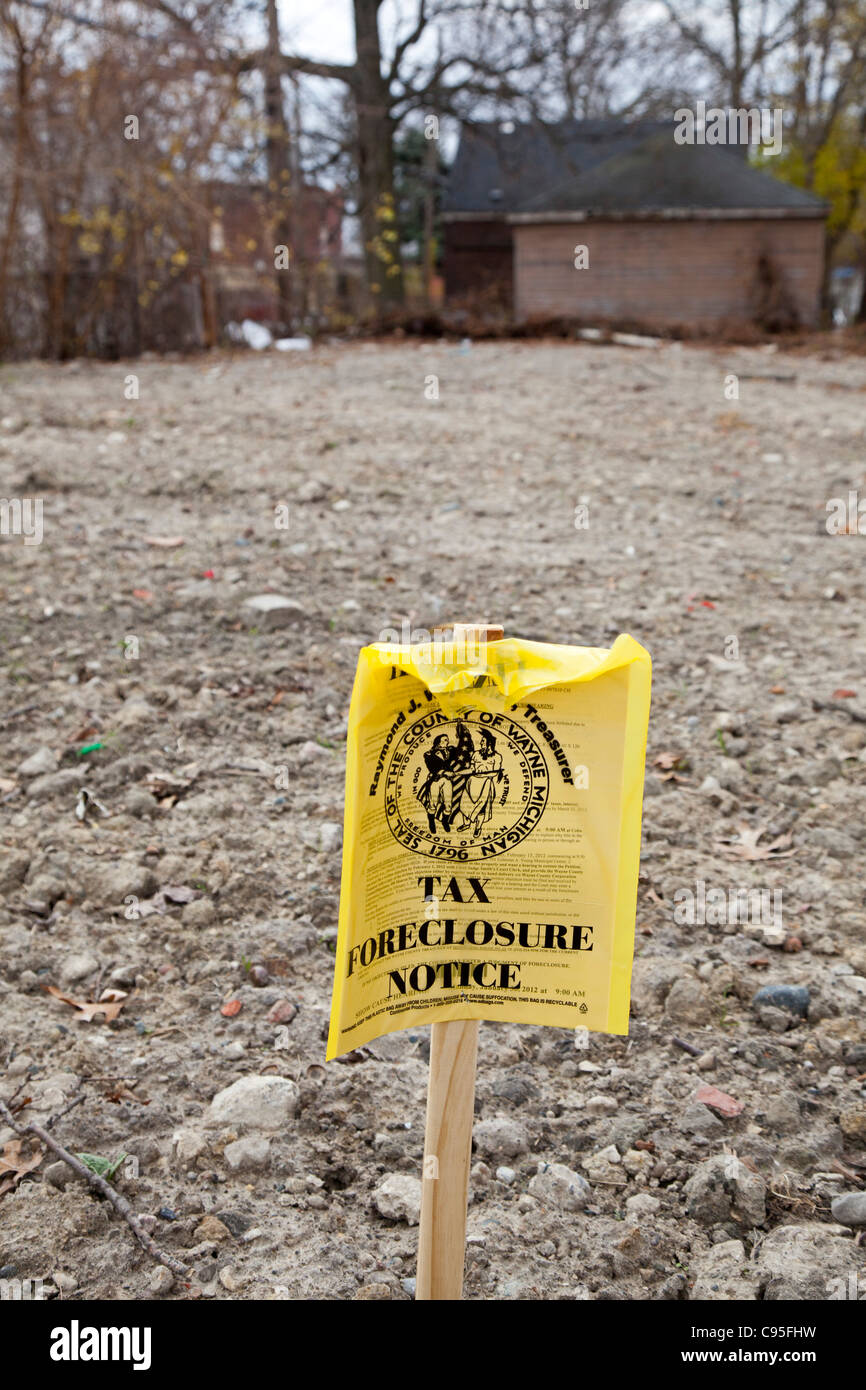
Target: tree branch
(99, 1184)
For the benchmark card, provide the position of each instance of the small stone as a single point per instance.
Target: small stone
(506, 1175)
(111, 884)
(604, 1166)
(501, 1138)
(601, 1105)
(134, 713)
(187, 1146)
(559, 1186)
(66, 1283)
(200, 913)
(77, 967)
(850, 1209)
(211, 1229)
(697, 1119)
(62, 783)
(398, 1197)
(793, 998)
(855, 983)
(688, 1002)
(376, 1293)
(247, 1155)
(638, 1161)
(13, 869)
(230, 1279)
(58, 1174)
(237, 1222)
(804, 1262)
(776, 1020)
(313, 490)
(706, 1061)
(642, 1205)
(782, 1113)
(785, 712)
(259, 976)
(330, 837)
(722, 1188)
(161, 1280)
(310, 752)
(852, 1122)
(719, 1101)
(282, 1012)
(272, 611)
(39, 764)
(722, 1274)
(256, 1102)
(139, 802)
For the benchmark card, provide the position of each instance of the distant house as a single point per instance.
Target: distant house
(674, 235)
(242, 249)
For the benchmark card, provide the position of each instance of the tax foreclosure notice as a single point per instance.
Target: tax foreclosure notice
(492, 837)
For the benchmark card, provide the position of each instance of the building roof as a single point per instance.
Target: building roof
(604, 168)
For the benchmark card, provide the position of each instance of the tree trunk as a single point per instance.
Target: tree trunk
(279, 167)
(375, 134)
(737, 74)
(15, 195)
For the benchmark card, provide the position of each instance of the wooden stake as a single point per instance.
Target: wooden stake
(447, 1152)
(448, 1134)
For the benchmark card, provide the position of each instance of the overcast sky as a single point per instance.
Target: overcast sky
(319, 28)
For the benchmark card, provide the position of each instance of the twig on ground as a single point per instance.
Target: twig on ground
(52, 1120)
(99, 1184)
(687, 1047)
(22, 709)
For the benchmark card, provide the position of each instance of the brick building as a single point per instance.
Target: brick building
(673, 236)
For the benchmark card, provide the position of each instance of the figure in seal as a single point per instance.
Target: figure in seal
(460, 790)
(448, 766)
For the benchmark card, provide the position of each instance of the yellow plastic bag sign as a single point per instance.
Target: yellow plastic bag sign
(492, 837)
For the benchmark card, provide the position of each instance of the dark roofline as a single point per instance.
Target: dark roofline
(695, 214)
(575, 170)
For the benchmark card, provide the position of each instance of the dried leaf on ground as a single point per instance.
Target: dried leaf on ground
(671, 760)
(108, 1005)
(14, 1165)
(747, 846)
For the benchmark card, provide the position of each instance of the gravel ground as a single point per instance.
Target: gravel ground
(203, 870)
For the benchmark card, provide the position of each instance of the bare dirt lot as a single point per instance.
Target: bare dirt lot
(210, 877)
